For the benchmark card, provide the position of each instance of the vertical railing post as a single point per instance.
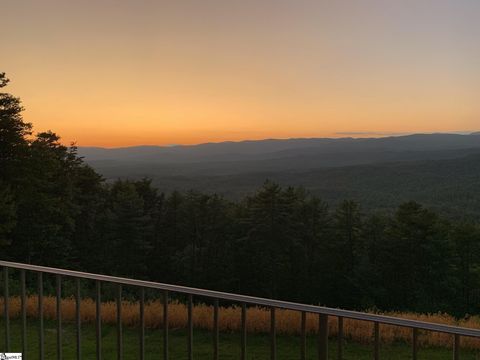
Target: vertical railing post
(273, 335)
(119, 324)
(165, 325)
(78, 320)
(340, 339)
(98, 314)
(6, 309)
(322, 337)
(41, 341)
(376, 341)
(190, 327)
(24, 313)
(303, 341)
(244, 332)
(59, 317)
(142, 323)
(456, 347)
(215, 329)
(414, 343)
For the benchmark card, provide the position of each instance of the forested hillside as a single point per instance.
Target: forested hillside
(280, 241)
(451, 187)
(439, 170)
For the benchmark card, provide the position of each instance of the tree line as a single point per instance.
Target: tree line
(278, 242)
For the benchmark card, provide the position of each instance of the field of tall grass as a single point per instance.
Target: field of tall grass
(258, 320)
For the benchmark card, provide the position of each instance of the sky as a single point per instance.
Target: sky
(119, 73)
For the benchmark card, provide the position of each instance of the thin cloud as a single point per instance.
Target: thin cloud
(387, 133)
(381, 133)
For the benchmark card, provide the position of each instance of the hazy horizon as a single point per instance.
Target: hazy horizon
(343, 135)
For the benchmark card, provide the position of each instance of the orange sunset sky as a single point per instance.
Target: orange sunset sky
(118, 73)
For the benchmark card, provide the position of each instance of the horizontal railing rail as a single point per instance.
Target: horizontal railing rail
(323, 312)
(356, 315)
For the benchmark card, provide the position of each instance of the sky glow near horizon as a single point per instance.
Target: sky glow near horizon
(119, 73)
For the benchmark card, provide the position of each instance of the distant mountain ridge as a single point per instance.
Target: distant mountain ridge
(230, 158)
(274, 148)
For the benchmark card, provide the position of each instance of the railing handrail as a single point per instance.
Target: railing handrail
(356, 315)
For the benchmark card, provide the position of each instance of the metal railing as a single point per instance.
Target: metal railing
(323, 314)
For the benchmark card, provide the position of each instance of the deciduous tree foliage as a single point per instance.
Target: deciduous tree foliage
(278, 242)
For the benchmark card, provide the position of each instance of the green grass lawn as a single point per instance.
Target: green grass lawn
(288, 347)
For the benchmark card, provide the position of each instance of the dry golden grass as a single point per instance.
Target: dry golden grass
(258, 320)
